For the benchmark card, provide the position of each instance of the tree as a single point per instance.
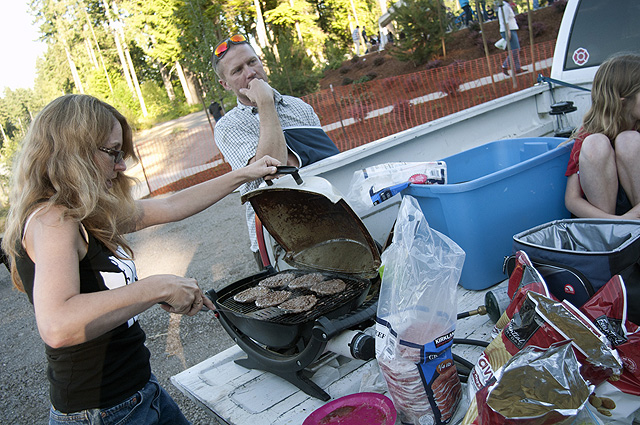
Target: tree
(418, 24)
(298, 17)
(336, 18)
(293, 73)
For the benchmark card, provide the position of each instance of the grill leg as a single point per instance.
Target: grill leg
(299, 378)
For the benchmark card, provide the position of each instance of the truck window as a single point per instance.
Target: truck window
(600, 29)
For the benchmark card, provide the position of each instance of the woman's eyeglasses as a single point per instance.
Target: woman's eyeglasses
(222, 48)
(115, 153)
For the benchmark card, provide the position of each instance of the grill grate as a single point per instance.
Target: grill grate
(325, 303)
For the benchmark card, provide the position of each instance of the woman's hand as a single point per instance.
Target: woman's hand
(264, 167)
(185, 296)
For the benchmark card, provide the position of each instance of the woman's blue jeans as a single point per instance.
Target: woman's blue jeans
(151, 405)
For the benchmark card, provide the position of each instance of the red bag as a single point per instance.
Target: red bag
(607, 309)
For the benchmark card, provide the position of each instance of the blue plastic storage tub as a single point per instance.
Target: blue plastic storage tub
(493, 192)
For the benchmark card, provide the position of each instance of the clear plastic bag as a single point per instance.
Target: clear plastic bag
(378, 177)
(416, 319)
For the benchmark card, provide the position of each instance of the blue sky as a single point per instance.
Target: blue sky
(18, 49)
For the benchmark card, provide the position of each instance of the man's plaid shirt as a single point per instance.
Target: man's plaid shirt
(238, 131)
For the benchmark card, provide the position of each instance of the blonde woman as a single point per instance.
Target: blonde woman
(604, 169)
(70, 206)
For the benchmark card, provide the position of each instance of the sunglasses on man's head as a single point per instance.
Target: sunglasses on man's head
(222, 48)
(115, 153)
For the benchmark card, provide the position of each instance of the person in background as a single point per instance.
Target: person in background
(390, 37)
(355, 35)
(216, 111)
(70, 206)
(468, 17)
(603, 174)
(482, 10)
(264, 122)
(509, 31)
(365, 40)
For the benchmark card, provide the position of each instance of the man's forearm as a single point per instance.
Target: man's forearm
(271, 140)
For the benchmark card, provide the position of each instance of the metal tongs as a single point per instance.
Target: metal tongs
(287, 169)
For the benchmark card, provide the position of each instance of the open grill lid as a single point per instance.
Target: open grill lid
(315, 226)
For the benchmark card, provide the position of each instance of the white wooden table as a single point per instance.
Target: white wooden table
(240, 396)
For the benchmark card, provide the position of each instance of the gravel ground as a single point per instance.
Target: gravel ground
(212, 247)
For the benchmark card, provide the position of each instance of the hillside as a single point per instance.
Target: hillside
(462, 45)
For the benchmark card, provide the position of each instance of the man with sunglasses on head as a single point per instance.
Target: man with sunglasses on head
(264, 122)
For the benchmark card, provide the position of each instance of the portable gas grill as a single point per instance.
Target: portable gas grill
(320, 234)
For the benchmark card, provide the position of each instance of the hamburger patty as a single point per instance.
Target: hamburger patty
(306, 280)
(277, 281)
(273, 298)
(329, 287)
(299, 304)
(251, 294)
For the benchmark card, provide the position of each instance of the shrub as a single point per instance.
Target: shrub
(475, 38)
(433, 64)
(402, 108)
(474, 27)
(522, 21)
(419, 22)
(538, 28)
(412, 82)
(450, 86)
(457, 65)
(390, 83)
(378, 61)
(358, 112)
(366, 78)
(346, 81)
(344, 70)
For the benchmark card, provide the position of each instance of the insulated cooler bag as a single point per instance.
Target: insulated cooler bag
(577, 257)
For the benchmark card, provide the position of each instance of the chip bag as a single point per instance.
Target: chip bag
(616, 401)
(537, 386)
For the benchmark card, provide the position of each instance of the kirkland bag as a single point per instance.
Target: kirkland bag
(416, 319)
(577, 257)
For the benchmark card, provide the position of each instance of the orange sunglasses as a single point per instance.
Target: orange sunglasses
(222, 48)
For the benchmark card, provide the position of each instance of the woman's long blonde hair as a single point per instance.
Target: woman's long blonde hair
(615, 87)
(56, 166)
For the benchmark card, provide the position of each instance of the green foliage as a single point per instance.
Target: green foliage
(419, 21)
(17, 109)
(336, 54)
(7, 156)
(294, 72)
(335, 18)
(160, 108)
(81, 36)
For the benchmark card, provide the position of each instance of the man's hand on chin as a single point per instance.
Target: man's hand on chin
(258, 92)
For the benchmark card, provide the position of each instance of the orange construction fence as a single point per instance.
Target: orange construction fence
(355, 114)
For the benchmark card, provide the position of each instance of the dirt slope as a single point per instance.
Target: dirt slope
(462, 45)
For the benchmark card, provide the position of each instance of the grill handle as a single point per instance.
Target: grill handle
(287, 169)
(326, 329)
(212, 295)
